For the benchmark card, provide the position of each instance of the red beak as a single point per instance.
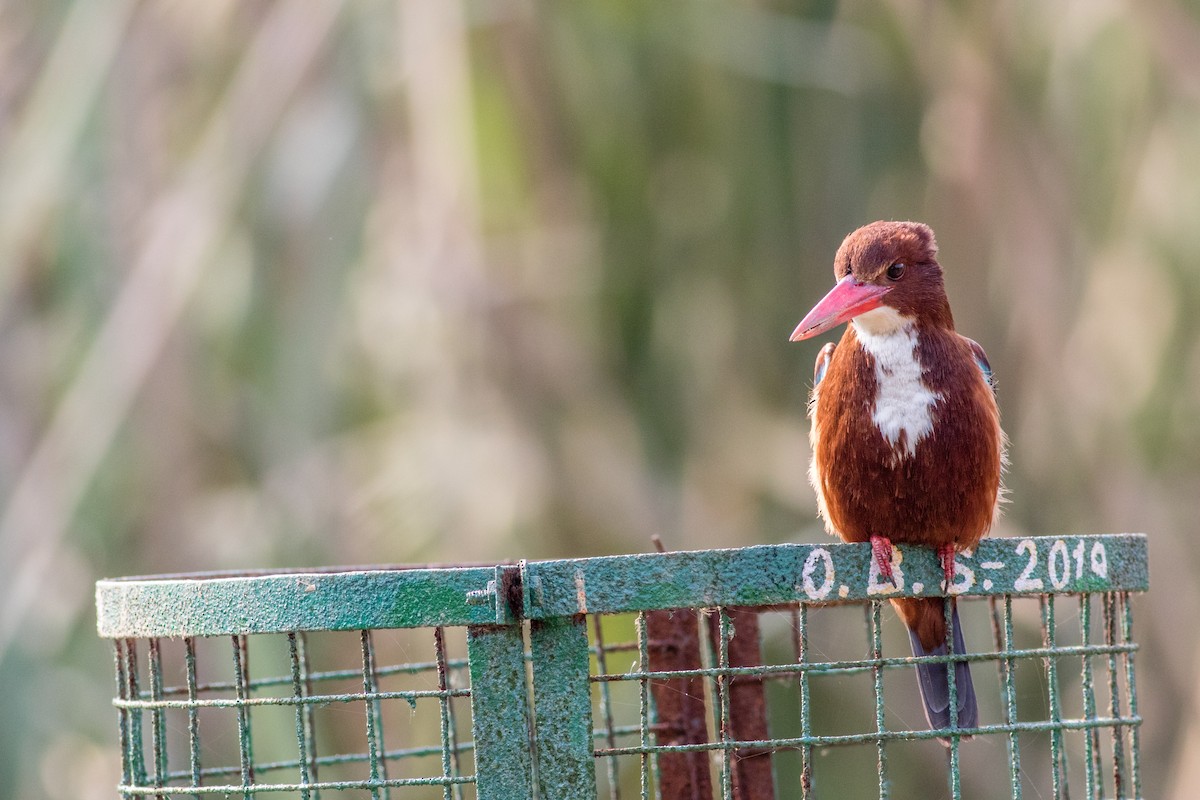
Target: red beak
(845, 301)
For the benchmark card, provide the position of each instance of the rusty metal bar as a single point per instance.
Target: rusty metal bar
(606, 710)
(800, 647)
(675, 645)
(241, 676)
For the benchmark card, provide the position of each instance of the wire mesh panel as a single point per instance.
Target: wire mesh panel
(788, 712)
(766, 672)
(195, 715)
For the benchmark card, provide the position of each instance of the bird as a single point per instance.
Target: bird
(905, 431)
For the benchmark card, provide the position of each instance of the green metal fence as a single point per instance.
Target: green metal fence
(753, 673)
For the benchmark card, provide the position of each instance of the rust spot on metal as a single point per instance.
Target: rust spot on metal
(675, 645)
(580, 593)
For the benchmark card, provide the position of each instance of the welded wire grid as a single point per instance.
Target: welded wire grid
(1061, 703)
(182, 733)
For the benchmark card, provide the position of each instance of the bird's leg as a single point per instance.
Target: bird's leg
(946, 553)
(881, 550)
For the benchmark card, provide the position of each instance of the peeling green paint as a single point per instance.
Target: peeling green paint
(499, 712)
(185, 606)
(562, 708)
(834, 572)
(749, 576)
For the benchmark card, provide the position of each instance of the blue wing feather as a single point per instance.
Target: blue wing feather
(823, 359)
(981, 361)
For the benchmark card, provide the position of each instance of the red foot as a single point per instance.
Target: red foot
(881, 549)
(946, 555)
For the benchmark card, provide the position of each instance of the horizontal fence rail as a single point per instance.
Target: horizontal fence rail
(749, 576)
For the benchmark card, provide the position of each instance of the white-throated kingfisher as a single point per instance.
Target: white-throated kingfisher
(906, 437)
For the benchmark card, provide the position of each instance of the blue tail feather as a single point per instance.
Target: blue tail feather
(935, 689)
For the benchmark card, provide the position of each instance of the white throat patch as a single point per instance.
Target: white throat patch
(903, 403)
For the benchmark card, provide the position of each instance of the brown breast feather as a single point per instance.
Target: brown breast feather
(944, 493)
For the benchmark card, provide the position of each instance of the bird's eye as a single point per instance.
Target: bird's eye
(895, 272)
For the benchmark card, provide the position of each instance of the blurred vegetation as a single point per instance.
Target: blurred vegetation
(300, 283)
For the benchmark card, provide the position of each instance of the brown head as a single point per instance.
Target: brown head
(884, 265)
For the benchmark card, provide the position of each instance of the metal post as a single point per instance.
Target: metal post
(562, 708)
(499, 712)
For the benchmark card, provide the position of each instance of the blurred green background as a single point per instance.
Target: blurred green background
(299, 283)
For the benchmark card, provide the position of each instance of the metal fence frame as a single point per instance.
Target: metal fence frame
(533, 664)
